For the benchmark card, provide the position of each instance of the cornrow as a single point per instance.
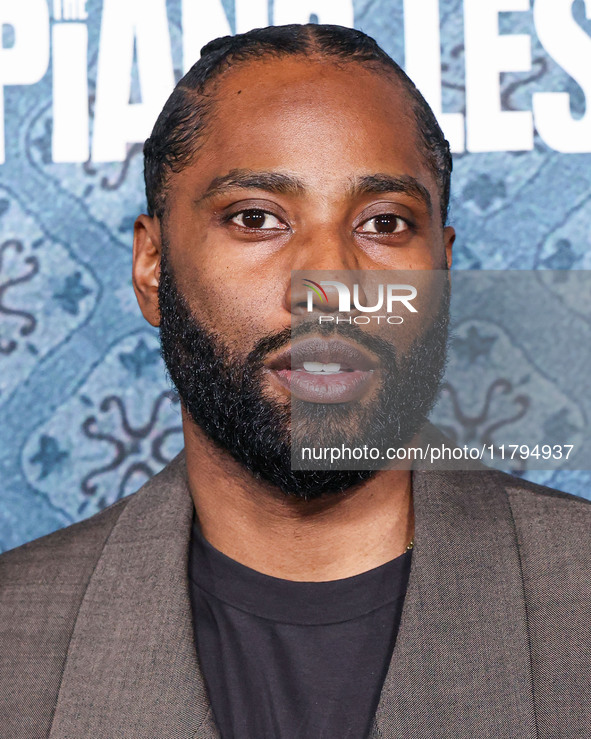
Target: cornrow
(181, 126)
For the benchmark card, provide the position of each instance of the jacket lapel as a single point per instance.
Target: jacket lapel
(461, 664)
(132, 669)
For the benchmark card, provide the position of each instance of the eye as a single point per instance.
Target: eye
(255, 218)
(385, 223)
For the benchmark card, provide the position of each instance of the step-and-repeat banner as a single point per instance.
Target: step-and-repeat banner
(85, 407)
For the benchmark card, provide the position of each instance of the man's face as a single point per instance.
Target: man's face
(289, 177)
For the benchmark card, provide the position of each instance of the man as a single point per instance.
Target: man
(235, 596)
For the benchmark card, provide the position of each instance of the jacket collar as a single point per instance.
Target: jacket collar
(461, 663)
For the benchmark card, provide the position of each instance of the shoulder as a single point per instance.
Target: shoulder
(42, 585)
(553, 531)
(69, 551)
(60, 560)
(52, 572)
(546, 520)
(552, 528)
(540, 511)
(42, 582)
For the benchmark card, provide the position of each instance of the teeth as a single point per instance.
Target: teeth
(318, 367)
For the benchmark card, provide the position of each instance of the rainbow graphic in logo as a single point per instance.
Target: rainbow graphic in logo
(318, 289)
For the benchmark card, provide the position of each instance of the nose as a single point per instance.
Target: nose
(325, 259)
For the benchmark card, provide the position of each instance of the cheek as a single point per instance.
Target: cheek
(239, 308)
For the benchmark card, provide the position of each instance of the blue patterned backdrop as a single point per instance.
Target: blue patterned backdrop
(87, 412)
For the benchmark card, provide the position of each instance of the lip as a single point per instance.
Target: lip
(350, 383)
(327, 351)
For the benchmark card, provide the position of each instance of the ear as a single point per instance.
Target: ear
(146, 266)
(449, 236)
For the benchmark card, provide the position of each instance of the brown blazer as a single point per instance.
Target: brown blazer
(495, 640)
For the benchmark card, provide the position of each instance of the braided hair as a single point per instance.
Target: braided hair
(181, 125)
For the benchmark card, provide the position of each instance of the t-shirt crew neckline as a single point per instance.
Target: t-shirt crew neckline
(288, 601)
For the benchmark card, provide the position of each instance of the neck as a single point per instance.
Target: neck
(257, 525)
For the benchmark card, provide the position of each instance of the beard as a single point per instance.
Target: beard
(224, 395)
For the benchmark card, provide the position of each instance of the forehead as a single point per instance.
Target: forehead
(323, 121)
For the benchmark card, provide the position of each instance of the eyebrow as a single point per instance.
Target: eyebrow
(246, 179)
(382, 183)
(286, 184)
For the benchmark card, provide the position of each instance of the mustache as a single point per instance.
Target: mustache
(385, 350)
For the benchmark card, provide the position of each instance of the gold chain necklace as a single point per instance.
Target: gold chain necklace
(411, 544)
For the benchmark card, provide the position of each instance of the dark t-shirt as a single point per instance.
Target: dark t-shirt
(286, 660)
